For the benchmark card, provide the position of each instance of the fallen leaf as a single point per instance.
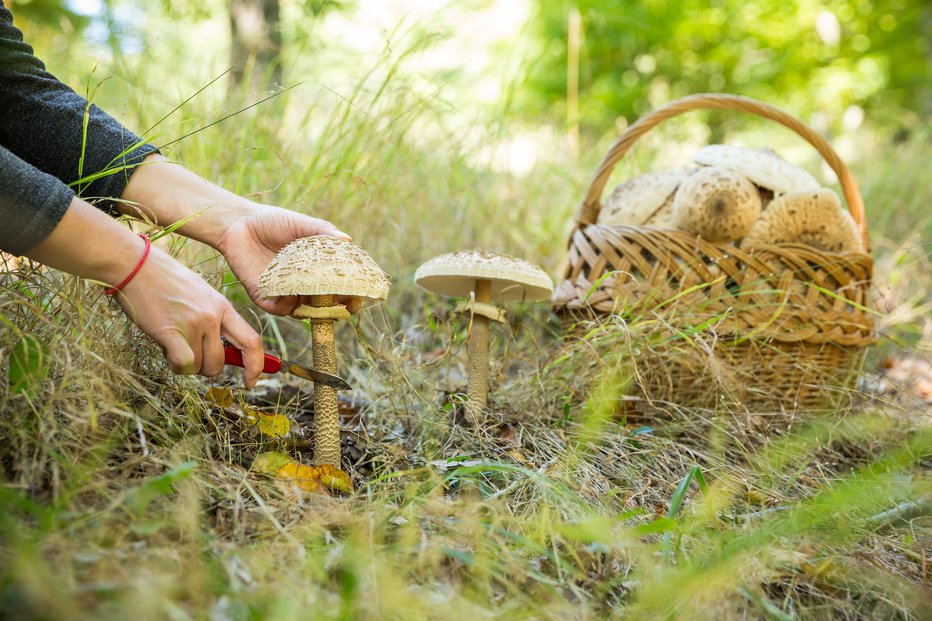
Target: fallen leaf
(275, 425)
(270, 461)
(519, 457)
(335, 479)
(219, 396)
(270, 424)
(299, 476)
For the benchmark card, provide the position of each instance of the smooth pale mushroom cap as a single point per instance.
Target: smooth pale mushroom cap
(636, 200)
(512, 279)
(665, 217)
(762, 166)
(322, 265)
(814, 218)
(717, 203)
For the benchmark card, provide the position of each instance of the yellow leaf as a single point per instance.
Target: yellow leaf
(299, 476)
(519, 457)
(335, 479)
(275, 425)
(252, 414)
(219, 396)
(270, 461)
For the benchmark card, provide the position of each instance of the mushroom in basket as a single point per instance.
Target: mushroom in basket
(814, 217)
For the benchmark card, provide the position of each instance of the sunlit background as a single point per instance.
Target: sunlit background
(423, 127)
(555, 76)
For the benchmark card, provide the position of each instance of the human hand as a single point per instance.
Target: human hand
(169, 302)
(186, 316)
(251, 241)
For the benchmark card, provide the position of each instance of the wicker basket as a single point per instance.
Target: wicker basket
(785, 321)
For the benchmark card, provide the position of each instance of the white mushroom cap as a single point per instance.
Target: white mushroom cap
(665, 217)
(717, 203)
(636, 200)
(512, 279)
(814, 218)
(762, 166)
(322, 265)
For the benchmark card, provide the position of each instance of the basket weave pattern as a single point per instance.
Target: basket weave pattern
(790, 299)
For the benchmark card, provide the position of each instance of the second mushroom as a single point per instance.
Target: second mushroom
(483, 278)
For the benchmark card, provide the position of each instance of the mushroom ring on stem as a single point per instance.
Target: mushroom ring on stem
(321, 268)
(483, 277)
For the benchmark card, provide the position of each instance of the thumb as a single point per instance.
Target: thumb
(317, 226)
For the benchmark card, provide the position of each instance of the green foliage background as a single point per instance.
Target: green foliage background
(638, 54)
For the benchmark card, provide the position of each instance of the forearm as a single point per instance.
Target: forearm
(166, 193)
(90, 244)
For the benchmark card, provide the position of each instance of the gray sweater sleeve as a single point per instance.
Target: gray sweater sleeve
(41, 132)
(31, 203)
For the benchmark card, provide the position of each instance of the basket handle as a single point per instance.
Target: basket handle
(589, 210)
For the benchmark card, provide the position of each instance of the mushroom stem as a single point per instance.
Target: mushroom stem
(478, 390)
(326, 414)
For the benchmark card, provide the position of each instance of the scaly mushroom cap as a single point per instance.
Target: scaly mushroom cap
(322, 265)
(717, 203)
(762, 166)
(455, 275)
(814, 218)
(636, 200)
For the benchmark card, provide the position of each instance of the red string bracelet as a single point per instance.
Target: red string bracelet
(145, 255)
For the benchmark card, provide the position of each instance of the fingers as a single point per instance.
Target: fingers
(318, 226)
(212, 357)
(245, 339)
(179, 354)
(282, 307)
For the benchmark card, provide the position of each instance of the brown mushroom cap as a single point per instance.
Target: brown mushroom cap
(636, 200)
(455, 274)
(717, 203)
(814, 218)
(323, 265)
(762, 166)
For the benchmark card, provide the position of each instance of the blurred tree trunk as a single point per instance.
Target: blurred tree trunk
(256, 44)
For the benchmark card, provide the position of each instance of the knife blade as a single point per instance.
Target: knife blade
(274, 364)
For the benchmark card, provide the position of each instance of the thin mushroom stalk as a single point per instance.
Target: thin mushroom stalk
(478, 349)
(326, 409)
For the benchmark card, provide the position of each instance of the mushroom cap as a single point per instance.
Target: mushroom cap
(815, 218)
(717, 203)
(665, 217)
(637, 199)
(322, 265)
(762, 166)
(455, 274)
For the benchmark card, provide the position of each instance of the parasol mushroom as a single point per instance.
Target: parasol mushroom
(483, 277)
(717, 204)
(636, 201)
(815, 218)
(762, 166)
(321, 268)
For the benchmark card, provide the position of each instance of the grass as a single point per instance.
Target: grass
(126, 494)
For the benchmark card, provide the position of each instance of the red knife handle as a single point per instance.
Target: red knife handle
(233, 356)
